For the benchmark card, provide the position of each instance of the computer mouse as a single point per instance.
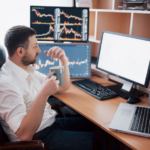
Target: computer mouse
(133, 100)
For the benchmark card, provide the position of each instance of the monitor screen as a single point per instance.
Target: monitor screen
(79, 59)
(60, 23)
(125, 56)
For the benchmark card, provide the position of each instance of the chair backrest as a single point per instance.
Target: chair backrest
(3, 136)
(2, 56)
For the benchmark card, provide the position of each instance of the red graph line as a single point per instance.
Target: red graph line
(71, 63)
(43, 15)
(65, 23)
(69, 39)
(62, 30)
(64, 39)
(40, 65)
(38, 14)
(67, 31)
(38, 22)
(46, 38)
(47, 62)
(67, 16)
(51, 29)
(77, 63)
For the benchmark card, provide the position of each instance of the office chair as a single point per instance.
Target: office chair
(4, 141)
(2, 56)
(5, 144)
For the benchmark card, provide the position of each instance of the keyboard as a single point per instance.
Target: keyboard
(141, 121)
(95, 89)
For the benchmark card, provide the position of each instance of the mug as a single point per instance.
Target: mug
(58, 71)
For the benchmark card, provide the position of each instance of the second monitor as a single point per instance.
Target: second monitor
(60, 23)
(79, 59)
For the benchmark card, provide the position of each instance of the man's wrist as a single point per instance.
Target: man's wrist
(63, 62)
(43, 94)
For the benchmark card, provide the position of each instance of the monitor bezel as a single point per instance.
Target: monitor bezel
(75, 77)
(64, 8)
(145, 85)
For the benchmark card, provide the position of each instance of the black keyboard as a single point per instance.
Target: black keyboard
(141, 121)
(95, 89)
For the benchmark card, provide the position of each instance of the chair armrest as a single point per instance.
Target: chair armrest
(57, 108)
(21, 145)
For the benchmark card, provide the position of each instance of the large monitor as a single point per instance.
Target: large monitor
(60, 23)
(79, 59)
(126, 57)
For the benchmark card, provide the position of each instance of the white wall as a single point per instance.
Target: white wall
(17, 12)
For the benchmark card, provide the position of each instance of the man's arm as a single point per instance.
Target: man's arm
(59, 53)
(32, 120)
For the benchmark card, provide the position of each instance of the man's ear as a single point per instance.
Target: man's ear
(20, 52)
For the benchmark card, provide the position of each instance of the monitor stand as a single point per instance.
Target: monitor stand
(58, 42)
(122, 91)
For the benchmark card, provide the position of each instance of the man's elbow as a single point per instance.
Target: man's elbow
(67, 87)
(64, 88)
(25, 137)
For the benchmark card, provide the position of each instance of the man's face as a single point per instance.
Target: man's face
(31, 52)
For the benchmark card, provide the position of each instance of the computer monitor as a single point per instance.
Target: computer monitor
(79, 59)
(60, 23)
(126, 57)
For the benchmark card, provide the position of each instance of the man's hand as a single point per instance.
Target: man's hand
(57, 52)
(50, 85)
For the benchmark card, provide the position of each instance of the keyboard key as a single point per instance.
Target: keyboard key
(141, 121)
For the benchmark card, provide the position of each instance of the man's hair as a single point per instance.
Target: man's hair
(18, 36)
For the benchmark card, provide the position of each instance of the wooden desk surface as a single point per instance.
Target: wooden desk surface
(101, 112)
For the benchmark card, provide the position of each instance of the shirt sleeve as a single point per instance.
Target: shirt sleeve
(12, 106)
(40, 76)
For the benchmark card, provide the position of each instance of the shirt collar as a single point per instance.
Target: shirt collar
(20, 73)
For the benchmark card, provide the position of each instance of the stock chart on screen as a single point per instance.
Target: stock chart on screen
(60, 23)
(78, 58)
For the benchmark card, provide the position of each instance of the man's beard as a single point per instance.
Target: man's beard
(26, 60)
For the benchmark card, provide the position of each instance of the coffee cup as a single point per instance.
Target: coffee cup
(58, 71)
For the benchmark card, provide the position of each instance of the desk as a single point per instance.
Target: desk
(101, 112)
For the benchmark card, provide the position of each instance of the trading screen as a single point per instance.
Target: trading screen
(78, 57)
(60, 23)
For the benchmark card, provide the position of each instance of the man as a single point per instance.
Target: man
(24, 93)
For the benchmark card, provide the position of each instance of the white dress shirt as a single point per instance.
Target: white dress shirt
(18, 89)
